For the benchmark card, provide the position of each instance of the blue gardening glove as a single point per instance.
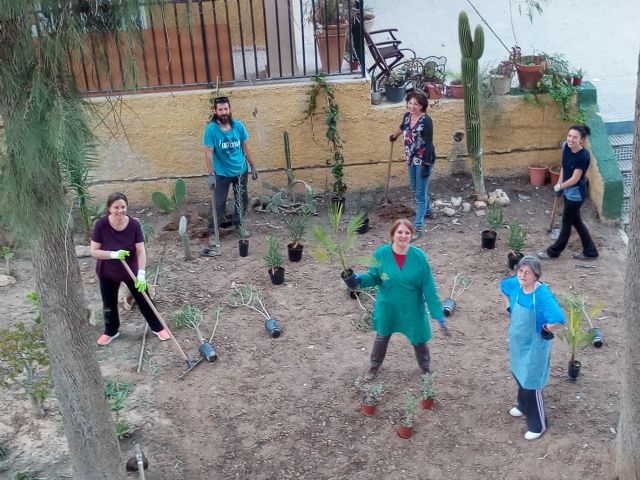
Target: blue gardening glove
(353, 282)
(119, 254)
(141, 281)
(425, 170)
(211, 180)
(443, 325)
(254, 171)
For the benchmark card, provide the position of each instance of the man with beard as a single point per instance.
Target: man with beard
(228, 159)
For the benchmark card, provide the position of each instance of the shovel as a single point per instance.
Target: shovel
(213, 249)
(160, 319)
(554, 212)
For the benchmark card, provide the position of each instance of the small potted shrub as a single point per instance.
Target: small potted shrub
(273, 260)
(297, 225)
(394, 86)
(576, 77)
(515, 241)
(530, 68)
(460, 283)
(500, 77)
(371, 395)
(376, 95)
(574, 333)
(495, 220)
(243, 243)
(405, 429)
(427, 391)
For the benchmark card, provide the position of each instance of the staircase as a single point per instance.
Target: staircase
(622, 145)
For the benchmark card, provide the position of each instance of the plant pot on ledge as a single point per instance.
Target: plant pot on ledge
(500, 84)
(331, 44)
(530, 69)
(538, 175)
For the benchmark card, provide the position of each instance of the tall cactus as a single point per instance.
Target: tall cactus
(472, 49)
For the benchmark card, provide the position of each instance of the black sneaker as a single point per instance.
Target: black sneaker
(582, 256)
(371, 373)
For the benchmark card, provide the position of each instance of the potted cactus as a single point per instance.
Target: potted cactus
(405, 429)
(516, 241)
(371, 395)
(495, 220)
(427, 391)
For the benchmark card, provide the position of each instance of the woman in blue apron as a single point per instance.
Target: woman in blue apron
(535, 315)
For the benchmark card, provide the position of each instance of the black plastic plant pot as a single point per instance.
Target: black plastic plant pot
(364, 228)
(448, 306)
(243, 247)
(277, 276)
(596, 338)
(353, 294)
(295, 253)
(350, 279)
(272, 328)
(573, 370)
(208, 352)
(489, 239)
(513, 259)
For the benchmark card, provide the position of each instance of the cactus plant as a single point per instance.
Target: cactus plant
(472, 48)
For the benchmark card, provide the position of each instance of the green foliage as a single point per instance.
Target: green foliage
(285, 200)
(147, 230)
(24, 475)
(574, 334)
(117, 392)
(517, 237)
(332, 134)
(90, 212)
(330, 247)
(297, 226)
(427, 386)
(495, 216)
(372, 391)
(188, 316)
(124, 429)
(287, 159)
(8, 255)
(238, 199)
(249, 296)
(410, 406)
(24, 358)
(166, 204)
(273, 256)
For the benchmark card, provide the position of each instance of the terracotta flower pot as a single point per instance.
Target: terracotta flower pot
(554, 173)
(404, 431)
(368, 410)
(538, 175)
(331, 46)
(427, 403)
(530, 69)
(457, 91)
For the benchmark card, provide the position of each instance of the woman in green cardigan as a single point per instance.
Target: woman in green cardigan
(403, 276)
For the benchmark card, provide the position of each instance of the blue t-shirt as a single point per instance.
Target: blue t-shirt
(228, 156)
(547, 308)
(570, 161)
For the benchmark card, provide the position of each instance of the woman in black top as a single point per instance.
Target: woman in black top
(572, 184)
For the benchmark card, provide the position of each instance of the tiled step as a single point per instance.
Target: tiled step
(622, 145)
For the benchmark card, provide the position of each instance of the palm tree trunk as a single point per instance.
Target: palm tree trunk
(78, 383)
(628, 445)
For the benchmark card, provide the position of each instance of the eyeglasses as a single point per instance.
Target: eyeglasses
(218, 100)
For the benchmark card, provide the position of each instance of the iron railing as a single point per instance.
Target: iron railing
(204, 43)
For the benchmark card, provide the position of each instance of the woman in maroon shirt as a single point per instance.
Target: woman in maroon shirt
(116, 237)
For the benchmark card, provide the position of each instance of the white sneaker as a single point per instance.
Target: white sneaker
(515, 412)
(532, 436)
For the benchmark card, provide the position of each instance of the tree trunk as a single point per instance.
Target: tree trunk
(628, 445)
(78, 383)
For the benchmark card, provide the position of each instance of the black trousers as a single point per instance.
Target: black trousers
(571, 218)
(531, 403)
(379, 351)
(222, 192)
(109, 291)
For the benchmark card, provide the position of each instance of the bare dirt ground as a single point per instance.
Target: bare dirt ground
(286, 407)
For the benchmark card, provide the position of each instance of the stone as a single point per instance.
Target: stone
(448, 211)
(456, 201)
(441, 203)
(499, 196)
(83, 251)
(6, 280)
(479, 204)
(466, 206)
(480, 213)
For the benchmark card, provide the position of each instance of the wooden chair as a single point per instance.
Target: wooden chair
(385, 52)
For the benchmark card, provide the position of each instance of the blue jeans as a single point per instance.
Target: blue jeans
(420, 187)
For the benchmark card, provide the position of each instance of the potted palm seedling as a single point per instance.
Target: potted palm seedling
(334, 246)
(427, 391)
(249, 296)
(371, 395)
(297, 225)
(574, 333)
(273, 260)
(460, 283)
(405, 429)
(515, 241)
(495, 220)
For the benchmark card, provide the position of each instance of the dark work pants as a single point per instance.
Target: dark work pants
(109, 291)
(379, 351)
(571, 218)
(222, 192)
(531, 403)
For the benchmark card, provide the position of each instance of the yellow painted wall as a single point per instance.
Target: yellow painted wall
(164, 133)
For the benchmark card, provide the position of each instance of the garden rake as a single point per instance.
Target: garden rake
(386, 189)
(160, 319)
